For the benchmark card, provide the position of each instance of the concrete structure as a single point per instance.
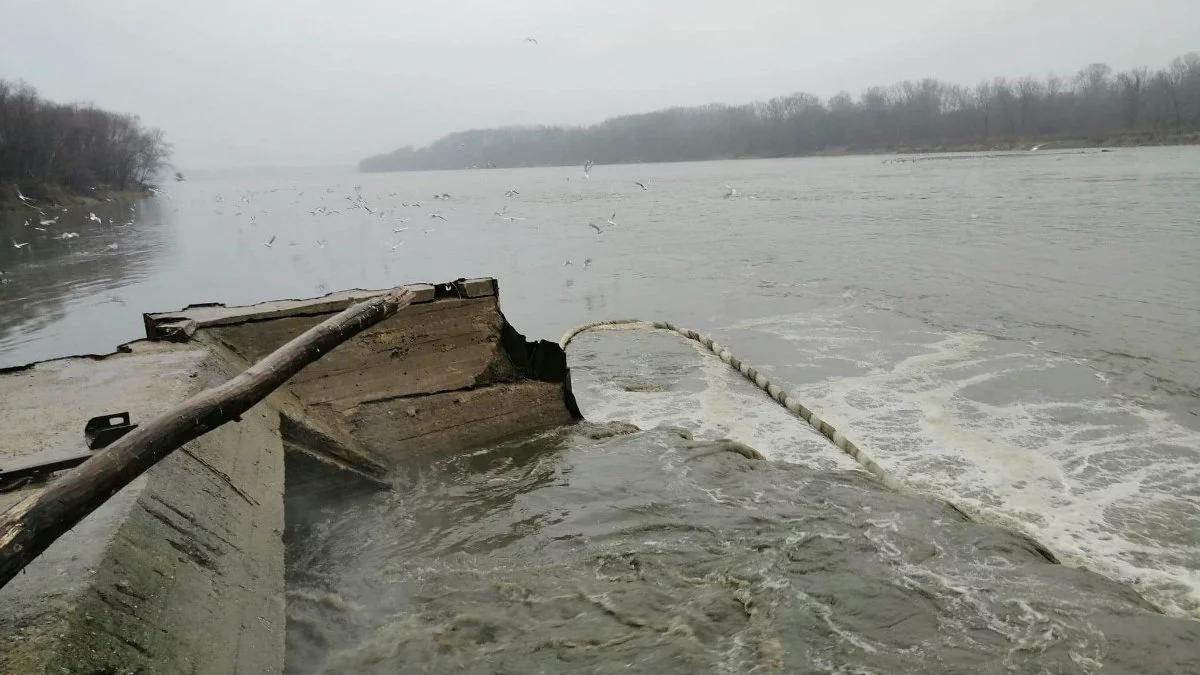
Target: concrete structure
(182, 571)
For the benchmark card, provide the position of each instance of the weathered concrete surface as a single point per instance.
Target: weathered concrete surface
(400, 427)
(442, 374)
(182, 570)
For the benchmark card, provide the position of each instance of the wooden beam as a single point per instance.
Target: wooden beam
(28, 527)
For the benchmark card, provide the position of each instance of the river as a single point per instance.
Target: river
(1015, 332)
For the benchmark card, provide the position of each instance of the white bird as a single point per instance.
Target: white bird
(587, 169)
(437, 215)
(511, 219)
(68, 235)
(19, 244)
(320, 243)
(732, 192)
(93, 216)
(1036, 147)
(399, 229)
(512, 193)
(22, 197)
(531, 40)
(112, 247)
(640, 184)
(612, 220)
(396, 246)
(49, 221)
(270, 241)
(587, 261)
(596, 228)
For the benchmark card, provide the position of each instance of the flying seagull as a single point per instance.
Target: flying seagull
(68, 235)
(612, 220)
(49, 221)
(531, 40)
(587, 169)
(732, 192)
(93, 216)
(639, 184)
(596, 228)
(19, 244)
(512, 193)
(437, 215)
(23, 198)
(270, 241)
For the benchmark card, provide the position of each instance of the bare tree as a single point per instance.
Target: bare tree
(1094, 103)
(1130, 85)
(45, 144)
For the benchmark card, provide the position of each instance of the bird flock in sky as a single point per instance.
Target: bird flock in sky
(356, 201)
(45, 223)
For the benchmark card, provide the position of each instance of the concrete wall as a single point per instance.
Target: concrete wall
(447, 372)
(182, 571)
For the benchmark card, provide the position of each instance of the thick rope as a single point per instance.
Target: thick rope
(780, 395)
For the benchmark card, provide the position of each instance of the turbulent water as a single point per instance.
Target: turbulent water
(579, 551)
(1015, 332)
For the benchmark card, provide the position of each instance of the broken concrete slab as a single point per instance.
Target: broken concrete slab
(182, 570)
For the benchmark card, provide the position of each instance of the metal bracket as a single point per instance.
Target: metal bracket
(99, 432)
(37, 471)
(103, 430)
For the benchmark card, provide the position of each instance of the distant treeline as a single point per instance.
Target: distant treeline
(1096, 104)
(46, 146)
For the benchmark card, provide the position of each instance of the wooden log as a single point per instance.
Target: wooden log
(28, 527)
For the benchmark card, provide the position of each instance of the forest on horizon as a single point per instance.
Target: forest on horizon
(48, 147)
(1095, 104)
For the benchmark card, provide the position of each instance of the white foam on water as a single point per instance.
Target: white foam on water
(1105, 483)
(724, 406)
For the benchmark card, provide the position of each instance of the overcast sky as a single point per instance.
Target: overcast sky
(237, 83)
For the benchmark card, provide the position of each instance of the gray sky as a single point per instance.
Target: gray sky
(316, 82)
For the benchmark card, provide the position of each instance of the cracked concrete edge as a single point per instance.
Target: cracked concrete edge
(181, 325)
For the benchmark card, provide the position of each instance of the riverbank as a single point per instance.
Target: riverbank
(1130, 140)
(1107, 141)
(55, 197)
